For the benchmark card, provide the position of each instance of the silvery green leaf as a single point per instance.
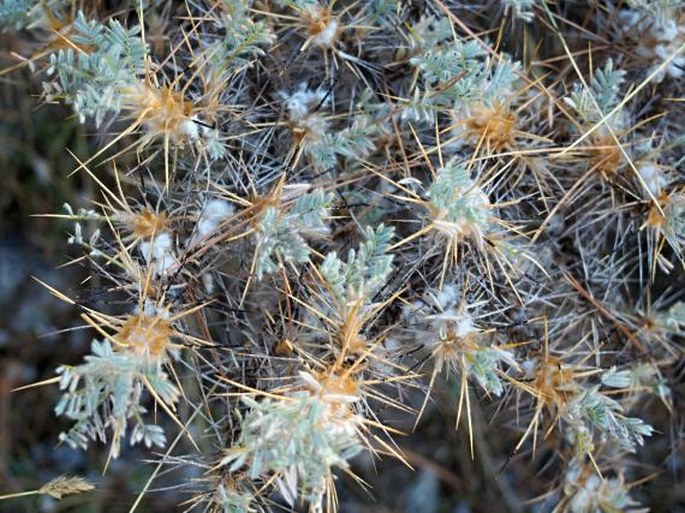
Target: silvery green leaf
(616, 379)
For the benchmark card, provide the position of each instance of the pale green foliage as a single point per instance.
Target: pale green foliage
(281, 236)
(81, 214)
(381, 12)
(497, 81)
(484, 365)
(354, 142)
(299, 439)
(364, 272)
(458, 75)
(603, 94)
(604, 414)
(16, 13)
(450, 191)
(646, 376)
(674, 318)
(214, 147)
(92, 80)
(245, 38)
(22, 14)
(322, 145)
(234, 501)
(460, 206)
(104, 394)
(299, 4)
(442, 64)
(615, 378)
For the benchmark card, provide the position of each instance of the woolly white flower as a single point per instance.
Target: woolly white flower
(213, 214)
(590, 492)
(660, 37)
(300, 103)
(328, 35)
(159, 252)
(653, 177)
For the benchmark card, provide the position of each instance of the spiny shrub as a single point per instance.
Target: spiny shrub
(330, 222)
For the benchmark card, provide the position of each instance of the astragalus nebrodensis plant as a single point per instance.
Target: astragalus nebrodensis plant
(324, 224)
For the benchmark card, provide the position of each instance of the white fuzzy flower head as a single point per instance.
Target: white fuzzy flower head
(203, 136)
(190, 129)
(328, 35)
(653, 177)
(303, 101)
(454, 321)
(589, 492)
(159, 252)
(454, 331)
(214, 212)
(324, 28)
(660, 38)
(306, 121)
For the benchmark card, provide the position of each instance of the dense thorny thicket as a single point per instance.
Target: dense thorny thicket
(313, 216)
